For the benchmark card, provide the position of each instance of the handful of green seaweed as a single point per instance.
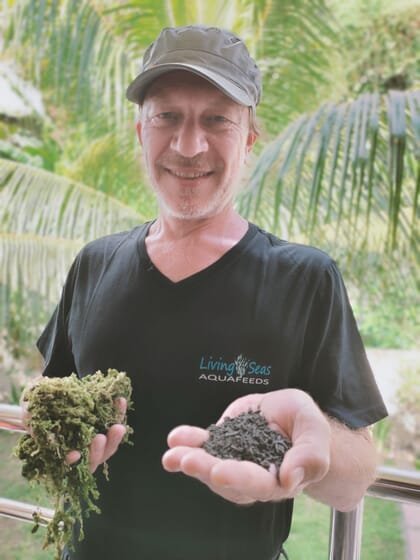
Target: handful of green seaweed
(64, 415)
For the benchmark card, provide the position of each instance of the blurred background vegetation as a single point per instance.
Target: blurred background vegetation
(337, 164)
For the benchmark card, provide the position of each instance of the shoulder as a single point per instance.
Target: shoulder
(108, 244)
(306, 261)
(97, 255)
(104, 248)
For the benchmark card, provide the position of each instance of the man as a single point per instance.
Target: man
(210, 316)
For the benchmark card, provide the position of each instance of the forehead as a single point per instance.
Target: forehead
(179, 83)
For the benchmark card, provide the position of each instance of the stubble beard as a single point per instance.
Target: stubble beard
(189, 207)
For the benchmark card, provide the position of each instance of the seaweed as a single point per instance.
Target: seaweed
(64, 414)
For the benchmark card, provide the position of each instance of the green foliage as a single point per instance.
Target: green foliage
(409, 391)
(8, 151)
(389, 319)
(44, 220)
(293, 52)
(29, 286)
(109, 165)
(382, 433)
(344, 175)
(408, 397)
(388, 44)
(17, 541)
(382, 536)
(70, 51)
(342, 169)
(23, 314)
(64, 415)
(396, 435)
(387, 301)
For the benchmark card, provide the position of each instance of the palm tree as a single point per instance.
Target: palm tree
(44, 221)
(337, 163)
(345, 175)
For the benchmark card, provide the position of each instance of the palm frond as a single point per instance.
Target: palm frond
(32, 273)
(294, 54)
(33, 201)
(26, 263)
(350, 171)
(140, 21)
(73, 52)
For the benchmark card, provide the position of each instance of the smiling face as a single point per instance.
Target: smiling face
(195, 140)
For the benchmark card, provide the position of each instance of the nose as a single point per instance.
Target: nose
(189, 139)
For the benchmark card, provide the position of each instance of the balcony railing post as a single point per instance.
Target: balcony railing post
(346, 534)
(11, 418)
(25, 512)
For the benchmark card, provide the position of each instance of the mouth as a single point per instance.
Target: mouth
(188, 175)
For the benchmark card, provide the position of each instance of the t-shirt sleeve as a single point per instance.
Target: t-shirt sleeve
(335, 366)
(53, 342)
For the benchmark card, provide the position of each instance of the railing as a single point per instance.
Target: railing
(345, 528)
(11, 418)
(25, 512)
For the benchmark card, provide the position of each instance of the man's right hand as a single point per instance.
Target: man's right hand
(103, 446)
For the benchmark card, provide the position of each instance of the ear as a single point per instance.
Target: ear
(139, 132)
(250, 141)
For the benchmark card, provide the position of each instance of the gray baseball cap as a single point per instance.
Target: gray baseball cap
(215, 54)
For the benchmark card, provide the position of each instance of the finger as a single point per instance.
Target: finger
(199, 464)
(192, 463)
(187, 436)
(114, 437)
(120, 404)
(239, 481)
(171, 459)
(26, 418)
(302, 465)
(246, 478)
(73, 457)
(232, 495)
(96, 451)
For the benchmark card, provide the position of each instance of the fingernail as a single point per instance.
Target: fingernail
(297, 476)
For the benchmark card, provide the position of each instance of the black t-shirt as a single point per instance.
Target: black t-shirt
(267, 315)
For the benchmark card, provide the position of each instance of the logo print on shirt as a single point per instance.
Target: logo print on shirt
(239, 370)
(241, 363)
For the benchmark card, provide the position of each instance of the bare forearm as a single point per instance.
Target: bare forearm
(353, 461)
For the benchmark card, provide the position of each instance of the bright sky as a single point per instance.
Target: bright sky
(18, 98)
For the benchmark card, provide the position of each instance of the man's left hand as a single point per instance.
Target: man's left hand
(289, 411)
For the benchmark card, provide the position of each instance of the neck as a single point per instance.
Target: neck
(227, 223)
(180, 248)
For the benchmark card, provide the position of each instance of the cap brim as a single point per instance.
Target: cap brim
(137, 89)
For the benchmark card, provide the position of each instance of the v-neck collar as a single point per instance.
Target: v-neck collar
(226, 258)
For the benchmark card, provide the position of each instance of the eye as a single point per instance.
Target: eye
(164, 119)
(167, 116)
(217, 121)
